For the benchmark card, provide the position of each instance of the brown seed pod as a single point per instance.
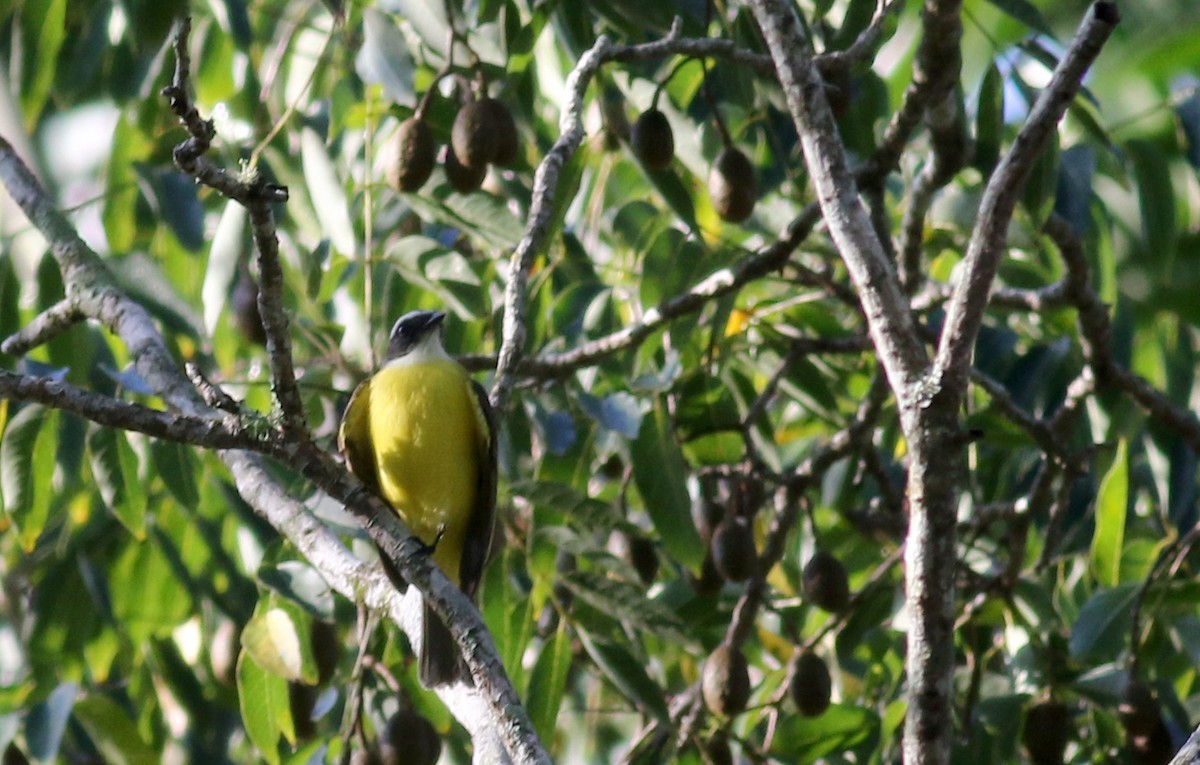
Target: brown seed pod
(824, 582)
(1047, 732)
(733, 550)
(416, 154)
(652, 140)
(810, 687)
(462, 179)
(725, 681)
(474, 136)
(732, 185)
(410, 739)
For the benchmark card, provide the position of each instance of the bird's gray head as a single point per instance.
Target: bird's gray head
(416, 332)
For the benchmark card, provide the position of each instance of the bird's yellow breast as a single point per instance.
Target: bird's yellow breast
(427, 442)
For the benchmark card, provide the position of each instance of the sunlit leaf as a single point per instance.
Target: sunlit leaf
(1112, 501)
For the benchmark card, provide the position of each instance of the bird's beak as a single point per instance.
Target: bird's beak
(434, 320)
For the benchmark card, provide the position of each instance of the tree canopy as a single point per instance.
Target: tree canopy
(843, 356)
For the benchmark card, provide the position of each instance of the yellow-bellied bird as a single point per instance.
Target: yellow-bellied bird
(419, 432)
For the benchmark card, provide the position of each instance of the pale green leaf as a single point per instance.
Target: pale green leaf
(1112, 501)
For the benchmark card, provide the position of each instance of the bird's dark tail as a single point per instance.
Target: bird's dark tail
(441, 663)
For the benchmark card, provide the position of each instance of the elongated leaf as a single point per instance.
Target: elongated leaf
(1026, 13)
(27, 460)
(1156, 200)
(44, 27)
(112, 732)
(548, 682)
(114, 467)
(228, 247)
(808, 739)
(989, 120)
(1102, 627)
(174, 464)
(383, 58)
(325, 189)
(658, 470)
(1112, 501)
(262, 698)
(627, 603)
(627, 674)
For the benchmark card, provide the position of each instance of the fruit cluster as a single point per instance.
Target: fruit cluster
(483, 134)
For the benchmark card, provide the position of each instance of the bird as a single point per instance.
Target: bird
(420, 433)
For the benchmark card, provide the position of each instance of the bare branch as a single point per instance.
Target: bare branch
(257, 195)
(888, 318)
(965, 312)
(48, 325)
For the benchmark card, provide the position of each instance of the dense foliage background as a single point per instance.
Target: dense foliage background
(135, 574)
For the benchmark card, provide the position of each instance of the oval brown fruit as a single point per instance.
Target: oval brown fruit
(473, 136)
(824, 582)
(416, 154)
(810, 687)
(733, 550)
(652, 140)
(732, 185)
(725, 681)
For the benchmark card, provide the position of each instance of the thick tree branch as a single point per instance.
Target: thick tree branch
(965, 312)
(889, 321)
(491, 711)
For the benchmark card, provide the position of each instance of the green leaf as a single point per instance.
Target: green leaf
(803, 740)
(627, 674)
(112, 732)
(27, 462)
(508, 611)
(384, 59)
(1026, 13)
(659, 471)
(263, 700)
(1101, 629)
(44, 27)
(176, 466)
(273, 640)
(115, 470)
(1112, 502)
(1042, 186)
(548, 682)
(989, 121)
(146, 593)
(325, 190)
(628, 603)
(1156, 201)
